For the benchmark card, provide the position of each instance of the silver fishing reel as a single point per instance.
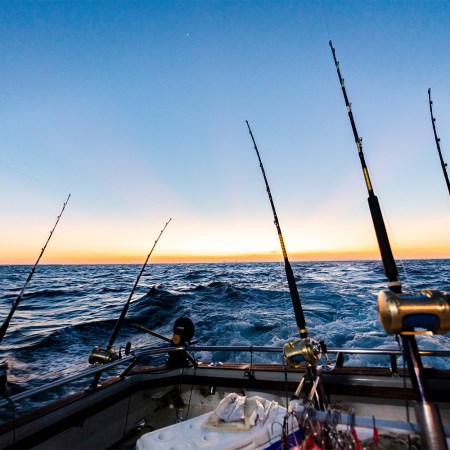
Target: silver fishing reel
(302, 353)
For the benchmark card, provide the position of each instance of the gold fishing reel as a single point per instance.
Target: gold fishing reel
(101, 356)
(427, 312)
(302, 353)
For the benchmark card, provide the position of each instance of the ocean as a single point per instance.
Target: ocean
(69, 309)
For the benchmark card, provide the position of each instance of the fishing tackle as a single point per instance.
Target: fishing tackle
(100, 356)
(443, 164)
(390, 268)
(428, 416)
(183, 332)
(429, 310)
(299, 316)
(306, 351)
(5, 325)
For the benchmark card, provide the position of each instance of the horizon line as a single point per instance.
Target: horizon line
(225, 261)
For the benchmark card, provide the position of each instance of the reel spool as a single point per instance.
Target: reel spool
(302, 353)
(428, 311)
(100, 356)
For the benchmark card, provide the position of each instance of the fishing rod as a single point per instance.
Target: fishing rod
(306, 351)
(100, 356)
(443, 164)
(390, 268)
(298, 311)
(16, 302)
(402, 313)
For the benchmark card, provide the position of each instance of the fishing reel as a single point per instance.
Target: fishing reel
(100, 356)
(302, 353)
(425, 313)
(183, 332)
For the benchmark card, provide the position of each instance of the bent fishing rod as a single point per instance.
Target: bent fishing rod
(298, 311)
(103, 356)
(390, 268)
(443, 164)
(16, 302)
(403, 309)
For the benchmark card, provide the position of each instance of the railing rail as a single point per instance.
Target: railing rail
(134, 357)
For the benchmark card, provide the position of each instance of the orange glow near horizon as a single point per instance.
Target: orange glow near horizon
(70, 246)
(108, 258)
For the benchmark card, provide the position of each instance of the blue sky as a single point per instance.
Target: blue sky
(138, 110)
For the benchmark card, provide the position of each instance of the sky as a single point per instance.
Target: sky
(138, 109)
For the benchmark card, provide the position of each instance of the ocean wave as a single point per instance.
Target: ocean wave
(70, 309)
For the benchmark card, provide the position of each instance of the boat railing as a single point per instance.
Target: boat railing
(132, 359)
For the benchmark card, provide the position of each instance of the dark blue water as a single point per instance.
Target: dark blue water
(68, 309)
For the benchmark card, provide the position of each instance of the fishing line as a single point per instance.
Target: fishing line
(190, 395)
(284, 296)
(33, 178)
(326, 20)
(391, 232)
(179, 419)
(126, 418)
(286, 383)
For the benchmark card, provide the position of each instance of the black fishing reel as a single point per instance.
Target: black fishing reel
(302, 353)
(427, 312)
(183, 331)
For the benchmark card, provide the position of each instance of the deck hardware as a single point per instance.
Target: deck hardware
(394, 367)
(249, 374)
(339, 360)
